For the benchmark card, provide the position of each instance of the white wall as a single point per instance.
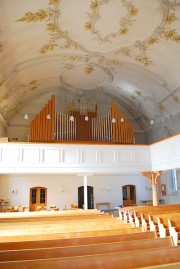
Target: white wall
(16, 133)
(170, 197)
(163, 130)
(23, 182)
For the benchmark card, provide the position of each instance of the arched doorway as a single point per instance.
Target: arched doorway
(129, 195)
(38, 198)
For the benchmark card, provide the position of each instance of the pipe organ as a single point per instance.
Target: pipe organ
(80, 124)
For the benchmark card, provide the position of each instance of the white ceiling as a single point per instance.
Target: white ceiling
(125, 49)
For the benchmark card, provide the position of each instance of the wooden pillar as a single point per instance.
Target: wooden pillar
(153, 178)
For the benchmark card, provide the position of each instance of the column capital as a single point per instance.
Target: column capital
(152, 176)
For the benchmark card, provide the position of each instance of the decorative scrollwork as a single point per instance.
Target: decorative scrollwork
(124, 22)
(35, 17)
(89, 69)
(137, 51)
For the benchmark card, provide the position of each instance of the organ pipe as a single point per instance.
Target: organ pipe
(60, 127)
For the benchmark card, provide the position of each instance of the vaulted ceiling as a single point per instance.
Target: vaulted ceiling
(126, 49)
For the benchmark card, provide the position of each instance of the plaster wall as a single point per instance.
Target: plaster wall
(107, 188)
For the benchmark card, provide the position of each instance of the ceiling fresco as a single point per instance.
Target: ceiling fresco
(127, 49)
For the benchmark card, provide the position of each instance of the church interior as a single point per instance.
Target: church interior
(89, 117)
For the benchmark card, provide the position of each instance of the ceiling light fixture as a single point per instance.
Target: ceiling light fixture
(113, 120)
(26, 116)
(48, 117)
(122, 120)
(71, 118)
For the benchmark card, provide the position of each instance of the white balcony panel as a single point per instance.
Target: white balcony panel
(107, 156)
(125, 156)
(156, 154)
(89, 156)
(142, 155)
(176, 149)
(168, 152)
(82, 158)
(70, 156)
(51, 156)
(10, 155)
(31, 155)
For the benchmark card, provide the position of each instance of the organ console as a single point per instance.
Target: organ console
(80, 124)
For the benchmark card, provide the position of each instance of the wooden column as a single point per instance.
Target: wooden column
(153, 177)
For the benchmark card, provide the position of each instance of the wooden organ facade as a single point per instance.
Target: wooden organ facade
(51, 125)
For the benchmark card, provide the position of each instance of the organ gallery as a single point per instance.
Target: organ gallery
(81, 123)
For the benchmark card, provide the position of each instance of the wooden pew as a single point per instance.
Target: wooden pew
(158, 209)
(175, 265)
(58, 223)
(168, 224)
(80, 250)
(63, 226)
(82, 241)
(174, 217)
(116, 260)
(31, 235)
(149, 210)
(61, 242)
(53, 218)
(62, 230)
(49, 215)
(162, 217)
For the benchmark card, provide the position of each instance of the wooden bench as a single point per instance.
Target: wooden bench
(116, 260)
(173, 265)
(76, 221)
(80, 250)
(166, 219)
(72, 234)
(174, 217)
(62, 230)
(48, 242)
(168, 224)
(64, 227)
(61, 242)
(157, 209)
(26, 216)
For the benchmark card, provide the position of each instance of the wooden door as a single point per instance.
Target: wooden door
(38, 198)
(90, 197)
(129, 195)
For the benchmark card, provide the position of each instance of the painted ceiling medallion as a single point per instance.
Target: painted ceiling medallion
(95, 76)
(125, 22)
(66, 34)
